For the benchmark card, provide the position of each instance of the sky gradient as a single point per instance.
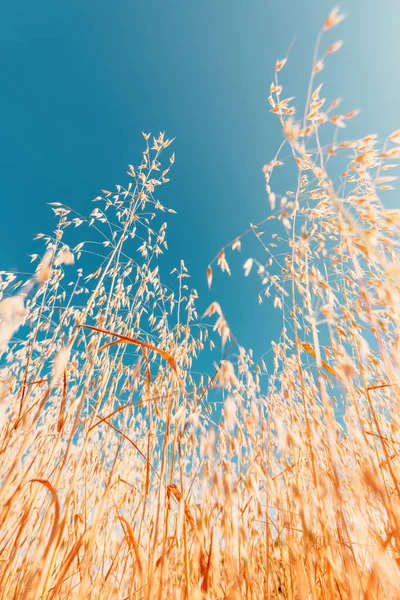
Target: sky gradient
(82, 78)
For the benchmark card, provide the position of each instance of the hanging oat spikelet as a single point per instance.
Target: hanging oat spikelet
(64, 257)
(222, 262)
(209, 276)
(12, 311)
(44, 270)
(226, 375)
(60, 364)
(334, 19)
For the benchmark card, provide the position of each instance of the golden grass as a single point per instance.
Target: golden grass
(116, 484)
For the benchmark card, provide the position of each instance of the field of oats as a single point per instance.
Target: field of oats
(119, 480)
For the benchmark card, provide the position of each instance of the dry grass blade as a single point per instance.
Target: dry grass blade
(132, 542)
(129, 340)
(308, 348)
(175, 491)
(67, 564)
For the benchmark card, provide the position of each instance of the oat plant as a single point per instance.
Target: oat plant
(118, 478)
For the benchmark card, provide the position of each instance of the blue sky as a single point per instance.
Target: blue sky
(82, 78)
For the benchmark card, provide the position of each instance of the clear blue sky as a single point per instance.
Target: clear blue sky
(82, 78)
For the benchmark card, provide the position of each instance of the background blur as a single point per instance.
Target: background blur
(82, 78)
